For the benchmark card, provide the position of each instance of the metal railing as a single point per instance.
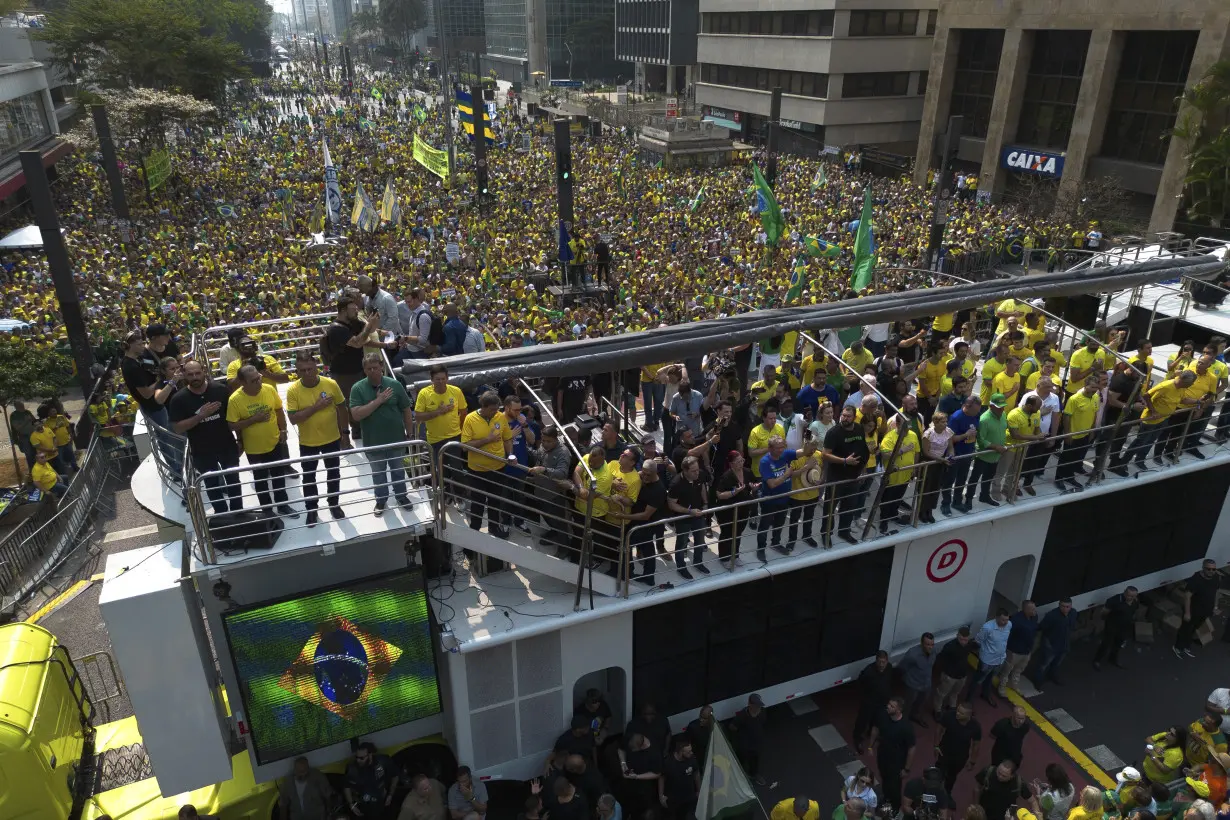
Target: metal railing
(352, 483)
(508, 499)
(1027, 470)
(25, 564)
(279, 338)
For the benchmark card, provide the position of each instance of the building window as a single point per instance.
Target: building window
(931, 15)
(973, 81)
(1152, 75)
(922, 83)
(23, 122)
(802, 83)
(770, 23)
(883, 23)
(1052, 86)
(876, 84)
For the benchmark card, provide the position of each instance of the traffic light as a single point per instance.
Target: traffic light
(563, 161)
(480, 176)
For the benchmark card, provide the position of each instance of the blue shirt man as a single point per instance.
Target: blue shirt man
(1024, 628)
(1056, 629)
(960, 424)
(992, 640)
(455, 332)
(771, 467)
(810, 396)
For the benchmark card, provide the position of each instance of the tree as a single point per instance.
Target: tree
(144, 114)
(364, 25)
(400, 19)
(1205, 130)
(1100, 199)
(28, 372)
(160, 44)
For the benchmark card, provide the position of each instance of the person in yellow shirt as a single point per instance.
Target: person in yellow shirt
(1142, 360)
(1034, 329)
(625, 485)
(930, 376)
(318, 408)
(1009, 308)
(1008, 381)
(604, 485)
(254, 411)
(1087, 361)
(653, 394)
(858, 357)
(1017, 345)
(271, 372)
(45, 476)
(796, 808)
(810, 363)
(43, 439)
(1024, 426)
(1161, 402)
(1079, 414)
(1046, 372)
(1033, 363)
(63, 430)
(942, 324)
(766, 388)
(488, 439)
(898, 464)
(758, 438)
(804, 496)
(990, 369)
(440, 408)
(1202, 393)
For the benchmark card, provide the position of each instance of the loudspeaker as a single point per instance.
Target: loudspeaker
(245, 530)
(1081, 311)
(434, 556)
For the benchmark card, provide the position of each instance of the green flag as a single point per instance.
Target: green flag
(820, 179)
(796, 280)
(725, 791)
(770, 214)
(864, 247)
(696, 200)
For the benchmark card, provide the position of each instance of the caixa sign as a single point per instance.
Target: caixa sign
(1031, 161)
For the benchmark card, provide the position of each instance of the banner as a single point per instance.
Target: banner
(333, 193)
(390, 211)
(157, 168)
(433, 159)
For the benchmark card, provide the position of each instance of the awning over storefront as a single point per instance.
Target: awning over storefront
(11, 175)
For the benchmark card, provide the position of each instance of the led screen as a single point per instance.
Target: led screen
(335, 664)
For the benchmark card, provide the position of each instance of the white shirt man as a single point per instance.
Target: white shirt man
(793, 424)
(876, 333)
(1052, 409)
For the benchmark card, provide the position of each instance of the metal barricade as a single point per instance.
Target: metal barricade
(402, 468)
(26, 564)
(279, 338)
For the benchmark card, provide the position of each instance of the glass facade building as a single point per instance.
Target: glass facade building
(23, 122)
(505, 28)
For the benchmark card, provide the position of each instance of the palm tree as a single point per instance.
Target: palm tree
(1205, 128)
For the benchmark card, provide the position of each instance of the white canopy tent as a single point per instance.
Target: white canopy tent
(26, 238)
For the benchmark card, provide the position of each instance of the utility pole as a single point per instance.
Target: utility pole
(939, 204)
(61, 268)
(481, 180)
(102, 127)
(446, 88)
(563, 179)
(775, 114)
(320, 27)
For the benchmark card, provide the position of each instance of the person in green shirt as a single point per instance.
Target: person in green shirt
(992, 432)
(382, 409)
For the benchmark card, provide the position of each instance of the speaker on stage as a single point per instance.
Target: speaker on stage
(245, 530)
(1081, 311)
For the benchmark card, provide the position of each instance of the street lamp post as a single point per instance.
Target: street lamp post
(569, 48)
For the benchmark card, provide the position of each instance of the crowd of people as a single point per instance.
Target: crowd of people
(212, 246)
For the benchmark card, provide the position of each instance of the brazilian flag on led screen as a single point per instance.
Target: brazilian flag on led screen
(336, 664)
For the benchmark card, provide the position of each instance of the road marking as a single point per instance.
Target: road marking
(1105, 757)
(49, 607)
(802, 706)
(1059, 739)
(135, 532)
(827, 737)
(1063, 721)
(850, 769)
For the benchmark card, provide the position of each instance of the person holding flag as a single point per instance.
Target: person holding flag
(333, 192)
(770, 214)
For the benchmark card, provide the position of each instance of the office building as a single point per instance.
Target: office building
(1070, 91)
(850, 75)
(464, 28)
(516, 35)
(564, 39)
(659, 38)
(29, 116)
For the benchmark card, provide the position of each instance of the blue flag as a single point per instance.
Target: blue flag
(565, 247)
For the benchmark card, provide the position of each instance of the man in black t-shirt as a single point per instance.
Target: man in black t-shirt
(998, 787)
(1199, 602)
(1009, 734)
(569, 394)
(1117, 627)
(680, 782)
(648, 508)
(1122, 387)
(653, 726)
(143, 381)
(343, 345)
(730, 437)
(926, 798)
(845, 454)
(371, 780)
(641, 766)
(960, 737)
(579, 740)
(699, 732)
(595, 709)
(892, 738)
(199, 412)
(569, 804)
(687, 496)
(876, 683)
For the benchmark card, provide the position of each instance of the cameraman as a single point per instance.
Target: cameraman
(270, 371)
(925, 798)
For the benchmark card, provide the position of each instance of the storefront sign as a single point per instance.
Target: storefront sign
(1032, 161)
(731, 120)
